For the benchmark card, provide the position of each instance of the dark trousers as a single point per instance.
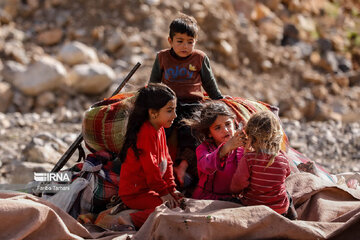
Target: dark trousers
(186, 142)
(184, 137)
(291, 212)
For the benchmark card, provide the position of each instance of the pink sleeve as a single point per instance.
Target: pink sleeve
(241, 176)
(208, 161)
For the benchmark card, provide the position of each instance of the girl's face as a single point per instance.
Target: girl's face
(163, 117)
(182, 44)
(222, 129)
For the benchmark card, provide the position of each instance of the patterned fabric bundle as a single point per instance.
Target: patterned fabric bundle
(104, 123)
(103, 173)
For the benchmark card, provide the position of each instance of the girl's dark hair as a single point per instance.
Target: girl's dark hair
(205, 117)
(153, 96)
(184, 24)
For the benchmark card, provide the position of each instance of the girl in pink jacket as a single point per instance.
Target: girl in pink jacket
(220, 151)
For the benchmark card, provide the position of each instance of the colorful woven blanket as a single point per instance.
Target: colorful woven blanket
(103, 173)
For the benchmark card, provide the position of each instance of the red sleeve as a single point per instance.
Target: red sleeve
(287, 161)
(148, 145)
(241, 176)
(168, 176)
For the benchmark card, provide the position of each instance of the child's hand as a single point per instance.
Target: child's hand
(238, 140)
(177, 195)
(234, 142)
(170, 201)
(180, 198)
(180, 171)
(242, 138)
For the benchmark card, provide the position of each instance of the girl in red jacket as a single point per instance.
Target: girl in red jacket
(146, 177)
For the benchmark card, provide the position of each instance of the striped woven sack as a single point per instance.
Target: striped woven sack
(104, 123)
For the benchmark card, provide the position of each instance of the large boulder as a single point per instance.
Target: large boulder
(44, 148)
(73, 53)
(93, 78)
(26, 170)
(45, 74)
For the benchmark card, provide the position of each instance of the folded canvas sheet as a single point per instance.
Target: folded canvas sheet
(25, 216)
(326, 211)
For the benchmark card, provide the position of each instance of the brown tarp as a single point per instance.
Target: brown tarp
(25, 216)
(325, 211)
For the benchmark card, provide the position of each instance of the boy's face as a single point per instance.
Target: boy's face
(182, 44)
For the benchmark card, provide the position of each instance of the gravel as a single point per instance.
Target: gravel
(334, 145)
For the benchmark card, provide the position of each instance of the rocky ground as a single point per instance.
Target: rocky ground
(59, 57)
(334, 145)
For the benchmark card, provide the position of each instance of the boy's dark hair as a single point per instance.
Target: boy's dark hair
(184, 24)
(205, 117)
(152, 96)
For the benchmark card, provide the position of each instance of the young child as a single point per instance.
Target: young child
(146, 177)
(220, 151)
(262, 171)
(185, 70)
